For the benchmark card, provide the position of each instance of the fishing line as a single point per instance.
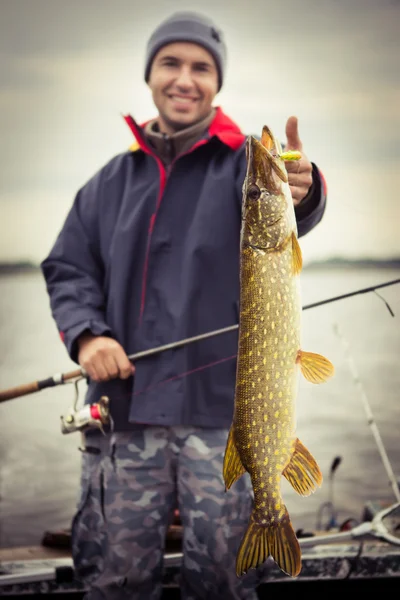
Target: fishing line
(185, 374)
(385, 301)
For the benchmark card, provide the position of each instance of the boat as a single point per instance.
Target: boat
(362, 557)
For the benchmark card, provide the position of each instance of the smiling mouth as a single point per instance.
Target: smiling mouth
(182, 99)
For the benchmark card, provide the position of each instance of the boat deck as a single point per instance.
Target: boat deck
(38, 569)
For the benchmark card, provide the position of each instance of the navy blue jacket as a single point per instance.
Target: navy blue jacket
(150, 257)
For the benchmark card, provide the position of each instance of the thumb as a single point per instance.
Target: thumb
(292, 135)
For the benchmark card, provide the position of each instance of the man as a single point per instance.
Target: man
(148, 255)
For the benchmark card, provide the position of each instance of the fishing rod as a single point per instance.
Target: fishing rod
(369, 414)
(61, 378)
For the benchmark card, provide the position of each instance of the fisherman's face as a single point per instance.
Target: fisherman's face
(184, 82)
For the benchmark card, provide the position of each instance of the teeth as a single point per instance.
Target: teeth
(182, 100)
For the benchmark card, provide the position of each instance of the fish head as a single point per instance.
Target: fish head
(268, 217)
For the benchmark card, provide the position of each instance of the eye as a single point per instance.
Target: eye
(201, 67)
(254, 192)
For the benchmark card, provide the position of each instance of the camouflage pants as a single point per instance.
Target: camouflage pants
(128, 494)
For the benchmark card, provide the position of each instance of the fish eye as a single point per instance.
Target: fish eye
(253, 192)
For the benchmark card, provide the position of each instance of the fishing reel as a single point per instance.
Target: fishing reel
(95, 415)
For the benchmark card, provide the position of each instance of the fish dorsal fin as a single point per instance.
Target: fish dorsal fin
(297, 258)
(303, 472)
(233, 468)
(315, 367)
(267, 139)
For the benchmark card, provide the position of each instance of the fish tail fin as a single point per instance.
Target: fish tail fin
(233, 468)
(303, 472)
(277, 540)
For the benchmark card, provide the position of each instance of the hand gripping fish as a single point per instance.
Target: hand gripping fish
(262, 439)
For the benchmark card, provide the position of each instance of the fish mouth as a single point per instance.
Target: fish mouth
(259, 247)
(275, 222)
(263, 163)
(269, 224)
(250, 154)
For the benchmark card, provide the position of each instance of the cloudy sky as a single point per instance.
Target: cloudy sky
(69, 70)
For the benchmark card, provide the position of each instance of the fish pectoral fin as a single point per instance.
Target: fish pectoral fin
(297, 257)
(303, 472)
(233, 468)
(314, 367)
(277, 540)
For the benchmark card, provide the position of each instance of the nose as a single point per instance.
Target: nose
(184, 79)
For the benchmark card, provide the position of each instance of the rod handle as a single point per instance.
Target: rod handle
(20, 390)
(36, 386)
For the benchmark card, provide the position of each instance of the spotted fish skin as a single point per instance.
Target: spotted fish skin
(262, 439)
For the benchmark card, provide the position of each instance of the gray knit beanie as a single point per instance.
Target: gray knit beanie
(188, 27)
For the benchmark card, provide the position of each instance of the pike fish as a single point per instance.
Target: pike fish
(262, 439)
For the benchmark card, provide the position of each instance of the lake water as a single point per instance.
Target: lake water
(39, 466)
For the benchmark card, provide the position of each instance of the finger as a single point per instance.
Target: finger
(292, 134)
(95, 363)
(298, 193)
(293, 166)
(111, 366)
(91, 371)
(125, 367)
(100, 369)
(301, 180)
(86, 362)
(298, 166)
(295, 195)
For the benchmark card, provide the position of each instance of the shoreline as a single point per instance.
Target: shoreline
(334, 263)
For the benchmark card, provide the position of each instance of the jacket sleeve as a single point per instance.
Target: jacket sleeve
(74, 270)
(311, 209)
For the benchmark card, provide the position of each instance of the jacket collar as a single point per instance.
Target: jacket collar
(226, 130)
(221, 127)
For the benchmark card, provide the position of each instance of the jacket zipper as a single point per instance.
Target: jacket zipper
(164, 174)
